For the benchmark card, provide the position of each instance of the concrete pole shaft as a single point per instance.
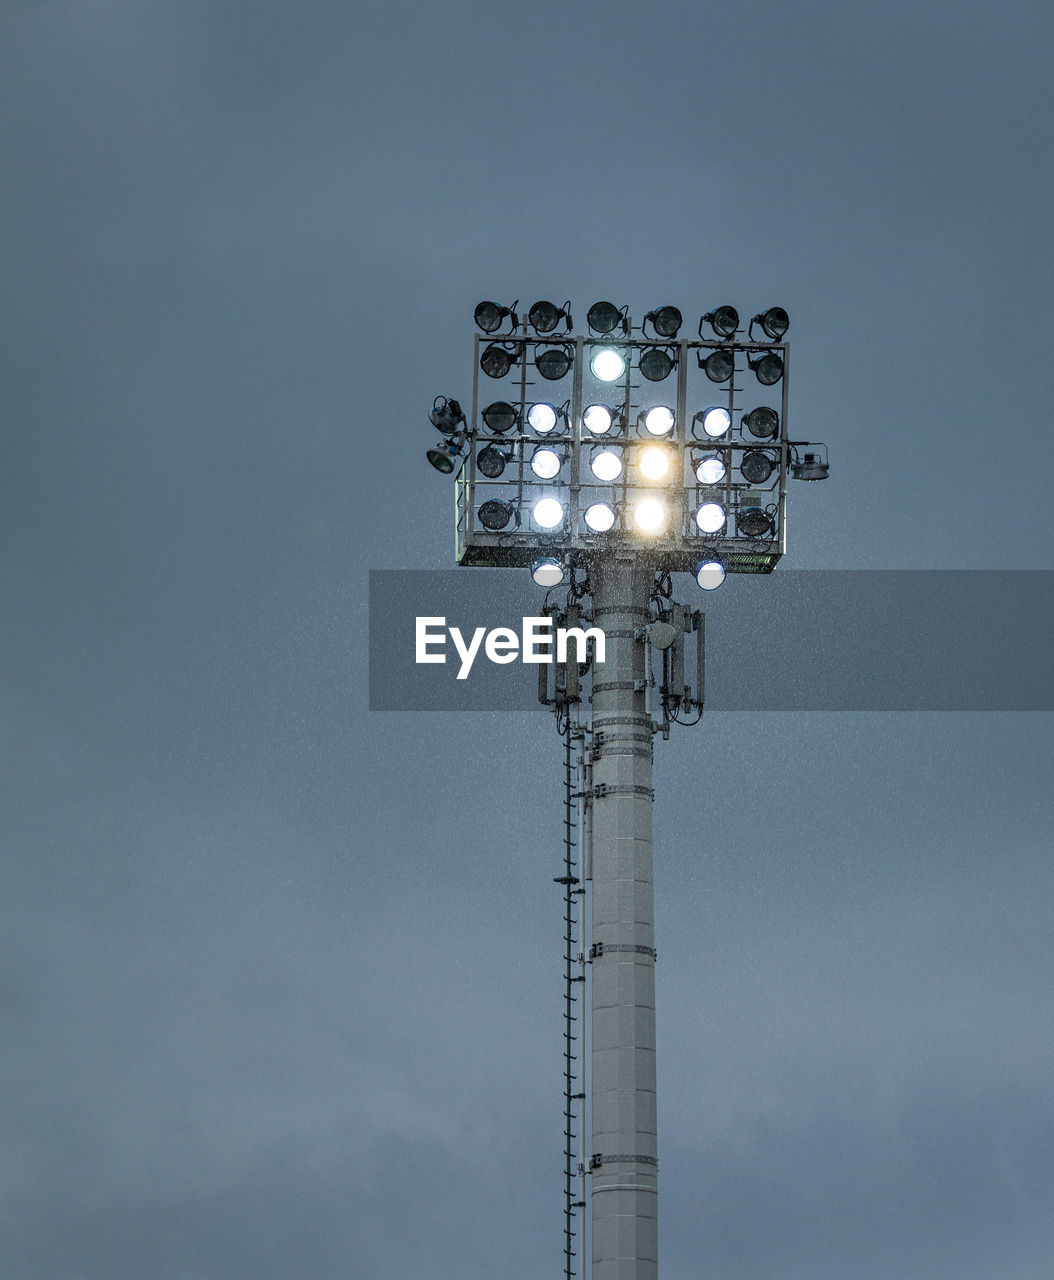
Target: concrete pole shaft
(624, 1182)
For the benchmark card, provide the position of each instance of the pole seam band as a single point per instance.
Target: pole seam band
(614, 789)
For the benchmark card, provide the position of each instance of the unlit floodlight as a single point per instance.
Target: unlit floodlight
(665, 321)
(495, 515)
(446, 416)
(656, 364)
(768, 369)
(762, 422)
(756, 467)
(500, 417)
(719, 365)
(489, 316)
(603, 317)
(724, 321)
(496, 361)
(775, 322)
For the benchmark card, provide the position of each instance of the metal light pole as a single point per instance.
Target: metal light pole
(607, 492)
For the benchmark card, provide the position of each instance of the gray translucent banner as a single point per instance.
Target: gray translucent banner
(795, 640)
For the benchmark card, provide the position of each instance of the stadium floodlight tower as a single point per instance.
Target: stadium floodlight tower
(604, 463)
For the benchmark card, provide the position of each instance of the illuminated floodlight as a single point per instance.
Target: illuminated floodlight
(545, 463)
(719, 365)
(654, 462)
(442, 459)
(548, 512)
(489, 316)
(756, 467)
(710, 574)
(656, 364)
(762, 422)
(659, 420)
(710, 471)
(775, 322)
(500, 417)
(608, 364)
(547, 572)
(710, 517)
(495, 515)
(603, 317)
(598, 419)
(541, 417)
(553, 362)
(716, 421)
(606, 465)
(724, 321)
(665, 321)
(490, 462)
(600, 517)
(496, 361)
(446, 416)
(768, 369)
(753, 522)
(649, 515)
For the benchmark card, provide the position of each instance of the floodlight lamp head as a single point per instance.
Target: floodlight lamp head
(719, 365)
(446, 416)
(768, 369)
(605, 317)
(495, 515)
(553, 362)
(543, 317)
(656, 363)
(547, 572)
(723, 320)
(489, 316)
(774, 323)
(809, 466)
(664, 320)
(444, 459)
(490, 461)
(496, 360)
(710, 574)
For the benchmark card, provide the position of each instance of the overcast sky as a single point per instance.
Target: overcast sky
(281, 980)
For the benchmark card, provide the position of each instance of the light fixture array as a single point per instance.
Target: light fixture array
(623, 439)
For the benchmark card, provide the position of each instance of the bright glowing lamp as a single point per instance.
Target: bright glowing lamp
(606, 465)
(608, 364)
(654, 462)
(547, 572)
(649, 515)
(710, 517)
(542, 418)
(710, 471)
(600, 517)
(597, 419)
(716, 421)
(548, 512)
(545, 463)
(710, 574)
(659, 420)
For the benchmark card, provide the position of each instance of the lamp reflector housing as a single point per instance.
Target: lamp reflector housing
(775, 322)
(665, 321)
(553, 362)
(768, 369)
(656, 364)
(442, 460)
(495, 515)
(719, 365)
(762, 422)
(716, 421)
(489, 315)
(490, 462)
(724, 321)
(753, 522)
(496, 361)
(500, 417)
(543, 317)
(603, 317)
(446, 415)
(811, 467)
(756, 467)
